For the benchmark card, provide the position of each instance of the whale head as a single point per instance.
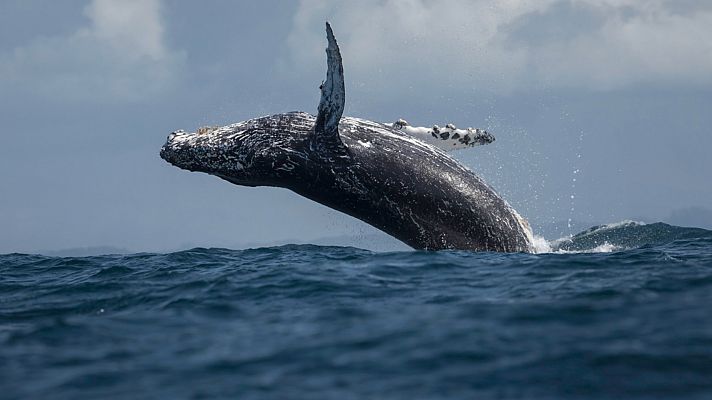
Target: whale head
(258, 152)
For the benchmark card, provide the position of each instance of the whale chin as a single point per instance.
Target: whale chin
(239, 182)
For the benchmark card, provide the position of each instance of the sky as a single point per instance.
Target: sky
(601, 109)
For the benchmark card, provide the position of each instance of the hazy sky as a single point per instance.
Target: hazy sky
(616, 94)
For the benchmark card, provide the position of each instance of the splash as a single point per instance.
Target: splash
(541, 245)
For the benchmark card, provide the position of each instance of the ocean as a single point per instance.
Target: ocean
(621, 311)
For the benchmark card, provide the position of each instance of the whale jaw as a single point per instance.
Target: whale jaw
(263, 151)
(204, 151)
(183, 150)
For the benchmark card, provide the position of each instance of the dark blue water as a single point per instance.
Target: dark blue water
(309, 322)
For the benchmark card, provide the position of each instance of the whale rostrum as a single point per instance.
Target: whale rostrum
(393, 176)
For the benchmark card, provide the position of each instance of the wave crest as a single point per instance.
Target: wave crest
(618, 236)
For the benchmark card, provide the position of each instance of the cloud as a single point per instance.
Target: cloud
(514, 44)
(120, 55)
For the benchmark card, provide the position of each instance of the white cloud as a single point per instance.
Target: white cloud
(513, 44)
(120, 56)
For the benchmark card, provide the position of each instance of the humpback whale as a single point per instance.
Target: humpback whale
(396, 177)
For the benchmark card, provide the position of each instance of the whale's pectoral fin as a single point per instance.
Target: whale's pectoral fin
(447, 138)
(331, 106)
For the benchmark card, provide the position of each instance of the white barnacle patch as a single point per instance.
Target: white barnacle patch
(237, 134)
(447, 138)
(394, 134)
(365, 144)
(178, 136)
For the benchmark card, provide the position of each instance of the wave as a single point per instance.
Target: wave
(606, 238)
(623, 235)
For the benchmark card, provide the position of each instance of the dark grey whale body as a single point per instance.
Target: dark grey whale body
(374, 172)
